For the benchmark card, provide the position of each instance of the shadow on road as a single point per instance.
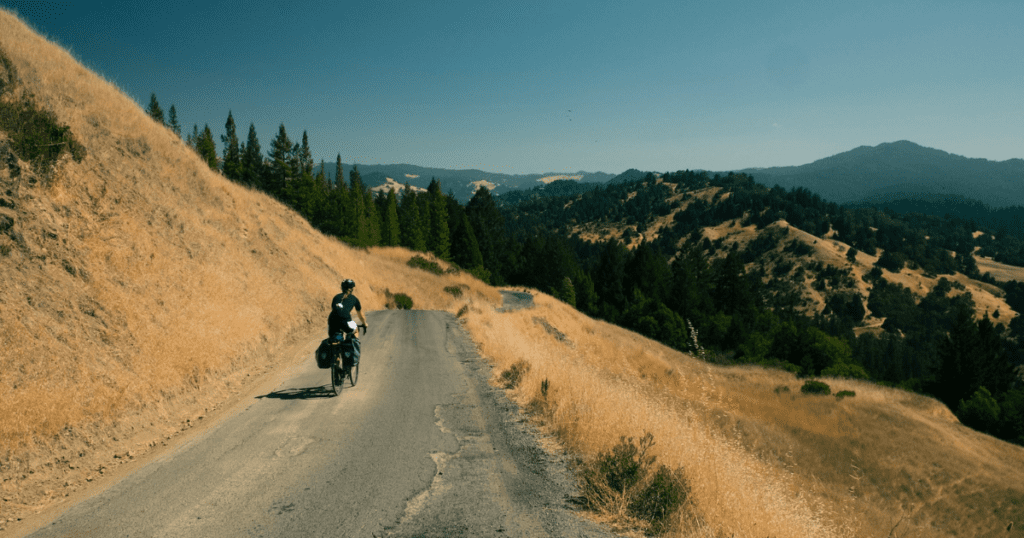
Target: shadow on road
(300, 394)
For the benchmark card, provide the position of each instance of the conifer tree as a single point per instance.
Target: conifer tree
(207, 148)
(413, 232)
(154, 110)
(192, 139)
(252, 160)
(305, 157)
(489, 225)
(321, 177)
(439, 238)
(173, 121)
(465, 249)
(373, 221)
(339, 175)
(390, 229)
(280, 170)
(232, 153)
(357, 226)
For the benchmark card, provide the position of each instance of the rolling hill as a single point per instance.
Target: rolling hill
(141, 290)
(902, 170)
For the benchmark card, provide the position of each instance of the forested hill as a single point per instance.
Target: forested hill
(782, 277)
(900, 170)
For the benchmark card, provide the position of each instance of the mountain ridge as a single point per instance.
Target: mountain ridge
(899, 169)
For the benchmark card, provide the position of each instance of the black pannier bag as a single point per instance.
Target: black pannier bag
(324, 357)
(349, 352)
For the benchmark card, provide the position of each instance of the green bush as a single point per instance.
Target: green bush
(626, 477)
(36, 135)
(816, 387)
(403, 301)
(455, 291)
(419, 262)
(844, 393)
(980, 412)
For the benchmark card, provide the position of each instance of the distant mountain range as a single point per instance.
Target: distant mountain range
(899, 171)
(888, 174)
(462, 183)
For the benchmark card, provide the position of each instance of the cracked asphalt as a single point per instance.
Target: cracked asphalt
(422, 446)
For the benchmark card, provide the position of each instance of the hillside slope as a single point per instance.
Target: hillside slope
(139, 289)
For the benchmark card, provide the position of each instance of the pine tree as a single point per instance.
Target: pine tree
(339, 175)
(955, 377)
(192, 139)
(207, 148)
(280, 170)
(413, 232)
(154, 110)
(391, 230)
(357, 226)
(252, 160)
(489, 225)
(465, 248)
(439, 239)
(232, 153)
(305, 157)
(373, 221)
(173, 121)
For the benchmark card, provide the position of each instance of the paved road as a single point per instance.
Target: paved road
(422, 446)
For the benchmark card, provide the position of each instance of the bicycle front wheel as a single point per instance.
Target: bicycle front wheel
(353, 374)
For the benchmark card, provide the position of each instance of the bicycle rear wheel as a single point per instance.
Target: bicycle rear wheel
(337, 378)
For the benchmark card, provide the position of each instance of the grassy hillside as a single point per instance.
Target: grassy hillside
(140, 289)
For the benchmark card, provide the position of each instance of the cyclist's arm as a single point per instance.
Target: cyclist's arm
(362, 318)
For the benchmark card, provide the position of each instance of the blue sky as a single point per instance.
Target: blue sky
(533, 87)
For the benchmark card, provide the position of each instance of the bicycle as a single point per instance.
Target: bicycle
(340, 370)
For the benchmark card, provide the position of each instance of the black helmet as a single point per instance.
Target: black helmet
(347, 284)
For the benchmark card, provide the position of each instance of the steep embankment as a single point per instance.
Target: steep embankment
(137, 287)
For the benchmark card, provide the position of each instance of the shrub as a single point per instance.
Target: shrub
(625, 483)
(462, 311)
(419, 262)
(781, 388)
(815, 387)
(403, 301)
(455, 291)
(36, 135)
(980, 412)
(514, 375)
(844, 393)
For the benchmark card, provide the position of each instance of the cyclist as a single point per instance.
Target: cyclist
(339, 322)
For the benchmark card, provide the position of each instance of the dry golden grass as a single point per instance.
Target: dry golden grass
(999, 271)
(142, 287)
(760, 462)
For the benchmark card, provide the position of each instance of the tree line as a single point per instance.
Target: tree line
(744, 302)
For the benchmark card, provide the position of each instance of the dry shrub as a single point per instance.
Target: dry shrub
(511, 378)
(624, 484)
